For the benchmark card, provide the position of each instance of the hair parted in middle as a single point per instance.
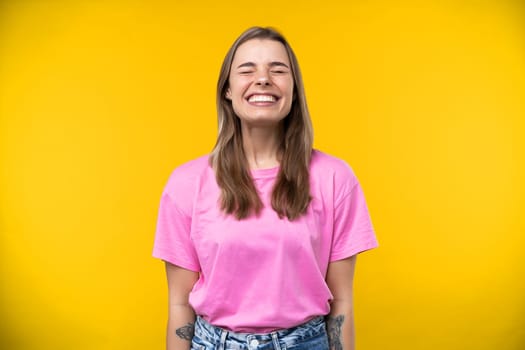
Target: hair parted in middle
(291, 192)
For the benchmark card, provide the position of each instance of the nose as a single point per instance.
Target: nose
(262, 79)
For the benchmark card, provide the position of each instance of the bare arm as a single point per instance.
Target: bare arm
(340, 321)
(181, 317)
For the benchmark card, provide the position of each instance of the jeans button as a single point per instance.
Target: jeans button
(254, 343)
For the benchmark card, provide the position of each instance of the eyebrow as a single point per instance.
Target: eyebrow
(272, 64)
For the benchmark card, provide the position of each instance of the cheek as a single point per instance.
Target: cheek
(288, 86)
(238, 87)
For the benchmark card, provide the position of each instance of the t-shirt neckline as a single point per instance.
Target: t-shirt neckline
(265, 172)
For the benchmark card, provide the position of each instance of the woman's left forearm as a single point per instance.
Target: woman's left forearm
(340, 321)
(340, 326)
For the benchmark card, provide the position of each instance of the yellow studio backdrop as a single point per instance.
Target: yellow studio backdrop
(101, 100)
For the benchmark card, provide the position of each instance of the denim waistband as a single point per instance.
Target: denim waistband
(235, 340)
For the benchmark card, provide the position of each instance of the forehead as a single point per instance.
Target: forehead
(260, 51)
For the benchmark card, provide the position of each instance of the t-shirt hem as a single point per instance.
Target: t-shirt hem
(177, 261)
(354, 250)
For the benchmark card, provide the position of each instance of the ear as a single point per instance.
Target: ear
(228, 94)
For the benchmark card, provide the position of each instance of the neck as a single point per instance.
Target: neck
(262, 145)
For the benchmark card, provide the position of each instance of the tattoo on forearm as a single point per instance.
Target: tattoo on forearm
(185, 332)
(333, 328)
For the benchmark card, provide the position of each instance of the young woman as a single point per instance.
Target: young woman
(260, 237)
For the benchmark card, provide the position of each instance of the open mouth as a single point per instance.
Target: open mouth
(262, 98)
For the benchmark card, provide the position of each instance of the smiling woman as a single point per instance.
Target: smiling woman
(263, 219)
(250, 136)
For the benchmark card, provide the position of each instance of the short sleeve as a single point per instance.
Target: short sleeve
(353, 230)
(172, 238)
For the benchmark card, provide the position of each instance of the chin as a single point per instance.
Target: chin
(264, 120)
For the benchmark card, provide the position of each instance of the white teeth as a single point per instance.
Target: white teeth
(261, 98)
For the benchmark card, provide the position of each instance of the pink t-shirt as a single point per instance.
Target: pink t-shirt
(262, 273)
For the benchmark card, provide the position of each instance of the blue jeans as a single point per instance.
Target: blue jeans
(308, 336)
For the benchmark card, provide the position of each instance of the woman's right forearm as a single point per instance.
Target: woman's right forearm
(181, 322)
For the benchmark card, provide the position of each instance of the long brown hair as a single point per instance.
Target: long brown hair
(291, 192)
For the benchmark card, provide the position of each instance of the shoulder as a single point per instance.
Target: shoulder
(332, 175)
(323, 165)
(185, 178)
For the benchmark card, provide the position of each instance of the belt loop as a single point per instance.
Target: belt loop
(224, 334)
(276, 344)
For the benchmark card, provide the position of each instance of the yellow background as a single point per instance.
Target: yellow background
(100, 100)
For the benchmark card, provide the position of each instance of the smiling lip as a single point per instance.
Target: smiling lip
(262, 98)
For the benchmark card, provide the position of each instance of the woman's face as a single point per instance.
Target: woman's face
(261, 82)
